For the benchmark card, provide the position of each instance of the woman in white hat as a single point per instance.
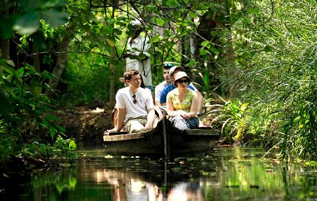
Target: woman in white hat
(182, 103)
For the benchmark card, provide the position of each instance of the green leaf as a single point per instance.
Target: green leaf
(244, 106)
(160, 21)
(155, 39)
(50, 117)
(10, 63)
(52, 132)
(60, 129)
(171, 3)
(213, 33)
(268, 48)
(214, 50)
(28, 23)
(9, 70)
(205, 43)
(72, 145)
(45, 123)
(202, 52)
(192, 62)
(72, 182)
(10, 91)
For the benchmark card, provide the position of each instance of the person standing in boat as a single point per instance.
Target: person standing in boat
(135, 105)
(182, 103)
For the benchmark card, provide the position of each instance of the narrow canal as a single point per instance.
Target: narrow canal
(222, 175)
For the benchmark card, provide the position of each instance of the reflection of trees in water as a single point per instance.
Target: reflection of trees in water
(231, 174)
(131, 186)
(147, 179)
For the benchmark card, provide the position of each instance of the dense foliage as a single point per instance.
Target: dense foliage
(275, 72)
(253, 60)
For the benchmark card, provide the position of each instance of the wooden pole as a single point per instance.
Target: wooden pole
(166, 139)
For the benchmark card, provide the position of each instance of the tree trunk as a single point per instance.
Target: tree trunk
(214, 20)
(112, 80)
(185, 50)
(112, 92)
(60, 62)
(37, 86)
(5, 49)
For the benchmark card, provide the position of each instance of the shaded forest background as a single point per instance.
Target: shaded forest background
(254, 61)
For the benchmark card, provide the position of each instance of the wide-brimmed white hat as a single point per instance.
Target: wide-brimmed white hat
(180, 75)
(174, 68)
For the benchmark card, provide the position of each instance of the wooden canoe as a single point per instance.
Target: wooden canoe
(164, 140)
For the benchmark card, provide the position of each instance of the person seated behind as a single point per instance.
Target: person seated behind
(135, 105)
(167, 80)
(182, 104)
(171, 86)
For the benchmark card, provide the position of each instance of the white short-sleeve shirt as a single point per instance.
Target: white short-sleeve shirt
(144, 99)
(158, 90)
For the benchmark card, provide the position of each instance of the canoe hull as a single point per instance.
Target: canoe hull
(152, 143)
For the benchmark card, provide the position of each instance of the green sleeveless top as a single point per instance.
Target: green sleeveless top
(184, 105)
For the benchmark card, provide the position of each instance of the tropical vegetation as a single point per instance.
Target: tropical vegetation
(254, 61)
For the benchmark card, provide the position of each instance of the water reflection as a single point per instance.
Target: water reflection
(131, 187)
(146, 179)
(226, 174)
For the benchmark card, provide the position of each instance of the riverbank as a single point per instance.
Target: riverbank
(85, 125)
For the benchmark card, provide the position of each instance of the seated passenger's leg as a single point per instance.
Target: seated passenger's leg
(180, 123)
(193, 122)
(134, 125)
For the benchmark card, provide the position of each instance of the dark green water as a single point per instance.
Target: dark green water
(225, 174)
